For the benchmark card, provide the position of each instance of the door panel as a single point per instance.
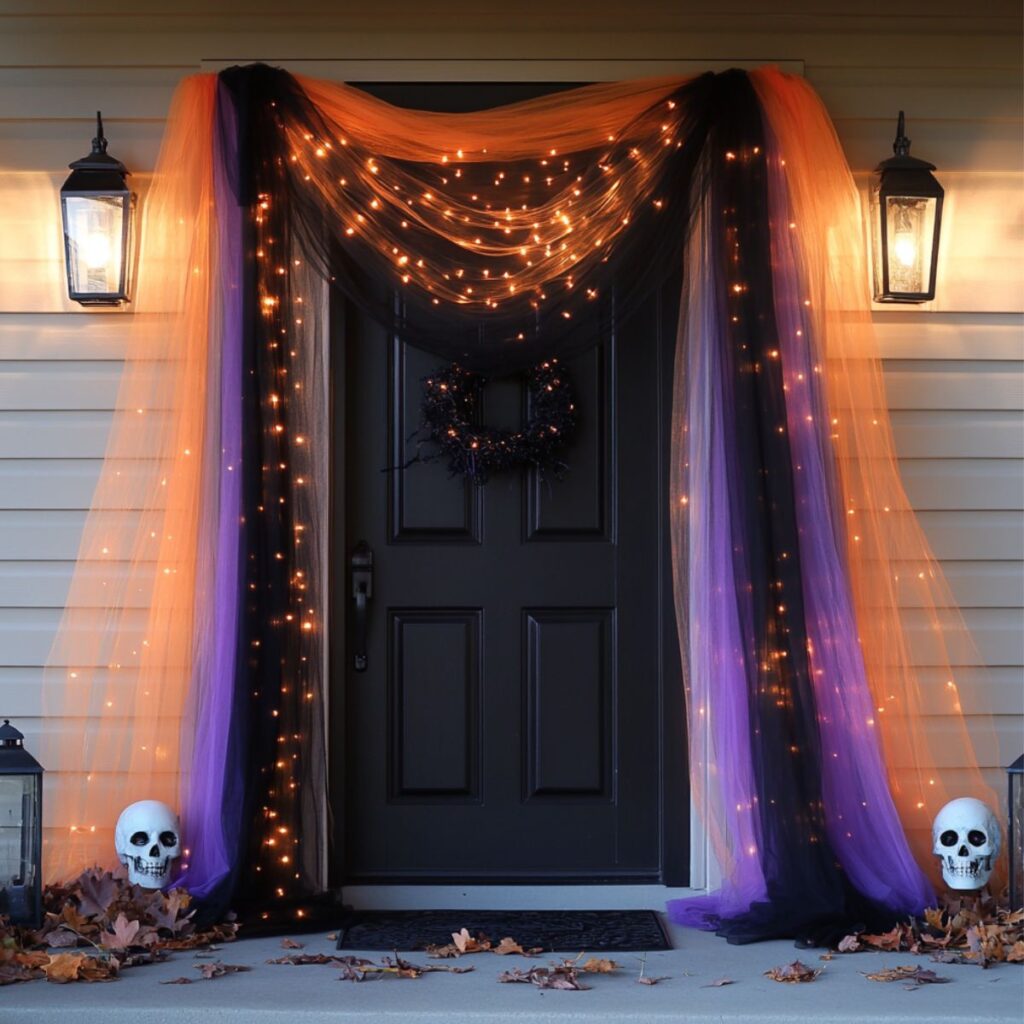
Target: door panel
(420, 508)
(434, 680)
(570, 676)
(579, 506)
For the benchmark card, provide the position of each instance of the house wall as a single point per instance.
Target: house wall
(954, 368)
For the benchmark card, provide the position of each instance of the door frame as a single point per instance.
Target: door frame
(701, 868)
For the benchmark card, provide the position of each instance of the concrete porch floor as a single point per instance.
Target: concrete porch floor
(313, 994)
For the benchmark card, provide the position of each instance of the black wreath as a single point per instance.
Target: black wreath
(451, 400)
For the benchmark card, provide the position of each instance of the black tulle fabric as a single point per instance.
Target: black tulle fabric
(808, 894)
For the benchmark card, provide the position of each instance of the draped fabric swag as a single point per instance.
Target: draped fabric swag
(191, 659)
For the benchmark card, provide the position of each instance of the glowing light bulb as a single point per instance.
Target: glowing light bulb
(905, 250)
(96, 250)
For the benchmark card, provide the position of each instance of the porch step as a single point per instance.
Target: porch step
(275, 994)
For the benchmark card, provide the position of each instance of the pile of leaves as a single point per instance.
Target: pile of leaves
(564, 974)
(966, 930)
(463, 943)
(560, 974)
(794, 973)
(912, 977)
(98, 925)
(356, 968)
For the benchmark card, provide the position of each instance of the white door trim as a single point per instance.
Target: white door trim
(511, 897)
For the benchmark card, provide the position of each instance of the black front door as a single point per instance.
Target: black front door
(520, 714)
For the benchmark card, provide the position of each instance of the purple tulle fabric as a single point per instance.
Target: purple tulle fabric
(861, 817)
(861, 821)
(710, 607)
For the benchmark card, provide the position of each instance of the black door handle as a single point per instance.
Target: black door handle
(362, 591)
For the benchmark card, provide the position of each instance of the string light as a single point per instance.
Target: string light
(518, 247)
(541, 254)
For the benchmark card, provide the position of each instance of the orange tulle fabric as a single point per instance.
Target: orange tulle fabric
(568, 122)
(116, 686)
(912, 635)
(118, 674)
(507, 213)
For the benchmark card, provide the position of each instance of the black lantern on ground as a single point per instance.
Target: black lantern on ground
(21, 830)
(96, 210)
(1015, 832)
(906, 206)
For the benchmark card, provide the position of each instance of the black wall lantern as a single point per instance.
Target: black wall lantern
(21, 830)
(1015, 832)
(96, 209)
(906, 206)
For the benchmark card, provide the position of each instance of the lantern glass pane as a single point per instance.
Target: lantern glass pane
(19, 824)
(910, 230)
(95, 231)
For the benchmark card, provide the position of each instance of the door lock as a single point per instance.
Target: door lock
(362, 591)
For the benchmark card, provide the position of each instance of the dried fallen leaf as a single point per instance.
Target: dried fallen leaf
(302, 959)
(99, 969)
(719, 983)
(170, 912)
(177, 981)
(925, 977)
(794, 972)
(63, 967)
(951, 956)
(466, 943)
(398, 968)
(62, 938)
(292, 944)
(446, 952)
(357, 969)
(508, 946)
(33, 959)
(11, 973)
(887, 940)
(597, 966)
(332, 936)
(122, 934)
(218, 969)
(97, 890)
(561, 976)
(68, 920)
(915, 975)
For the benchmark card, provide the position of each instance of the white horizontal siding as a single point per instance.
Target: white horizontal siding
(954, 370)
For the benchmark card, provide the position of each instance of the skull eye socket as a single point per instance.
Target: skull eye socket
(948, 838)
(976, 838)
(168, 839)
(139, 838)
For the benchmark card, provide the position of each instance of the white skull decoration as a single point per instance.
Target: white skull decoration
(966, 838)
(148, 839)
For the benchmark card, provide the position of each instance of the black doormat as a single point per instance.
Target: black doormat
(569, 931)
